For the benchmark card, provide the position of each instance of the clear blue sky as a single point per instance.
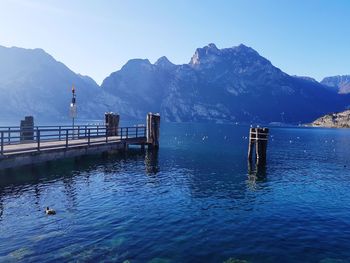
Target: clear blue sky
(95, 38)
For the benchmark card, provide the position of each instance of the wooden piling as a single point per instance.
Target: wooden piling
(112, 123)
(27, 129)
(153, 125)
(258, 137)
(252, 133)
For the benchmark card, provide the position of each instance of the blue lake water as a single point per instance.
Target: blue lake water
(193, 201)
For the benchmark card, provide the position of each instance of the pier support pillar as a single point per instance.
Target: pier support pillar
(151, 162)
(112, 123)
(258, 137)
(153, 126)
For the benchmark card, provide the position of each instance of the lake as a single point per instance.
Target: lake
(196, 200)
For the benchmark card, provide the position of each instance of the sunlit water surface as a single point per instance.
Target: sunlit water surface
(193, 201)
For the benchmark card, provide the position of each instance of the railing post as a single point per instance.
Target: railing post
(67, 138)
(2, 143)
(59, 133)
(106, 136)
(127, 132)
(137, 129)
(38, 138)
(121, 133)
(89, 137)
(9, 136)
(78, 131)
(97, 130)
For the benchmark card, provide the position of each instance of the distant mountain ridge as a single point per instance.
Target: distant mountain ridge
(33, 83)
(222, 85)
(341, 84)
(217, 85)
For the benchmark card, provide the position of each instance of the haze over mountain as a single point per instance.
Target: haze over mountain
(219, 85)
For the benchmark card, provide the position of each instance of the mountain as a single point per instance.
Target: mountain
(221, 85)
(140, 85)
(341, 84)
(333, 120)
(218, 85)
(33, 83)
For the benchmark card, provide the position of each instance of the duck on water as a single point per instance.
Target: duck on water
(50, 211)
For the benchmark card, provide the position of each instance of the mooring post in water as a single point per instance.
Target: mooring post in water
(258, 137)
(153, 126)
(252, 133)
(2, 144)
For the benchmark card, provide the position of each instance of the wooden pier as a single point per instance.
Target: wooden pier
(47, 143)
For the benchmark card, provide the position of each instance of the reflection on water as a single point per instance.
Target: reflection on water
(16, 179)
(191, 201)
(34, 180)
(70, 192)
(256, 173)
(1, 207)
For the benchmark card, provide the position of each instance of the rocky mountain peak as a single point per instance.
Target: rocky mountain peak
(205, 54)
(211, 46)
(244, 48)
(164, 63)
(137, 63)
(211, 54)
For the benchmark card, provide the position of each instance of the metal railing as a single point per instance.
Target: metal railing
(15, 139)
